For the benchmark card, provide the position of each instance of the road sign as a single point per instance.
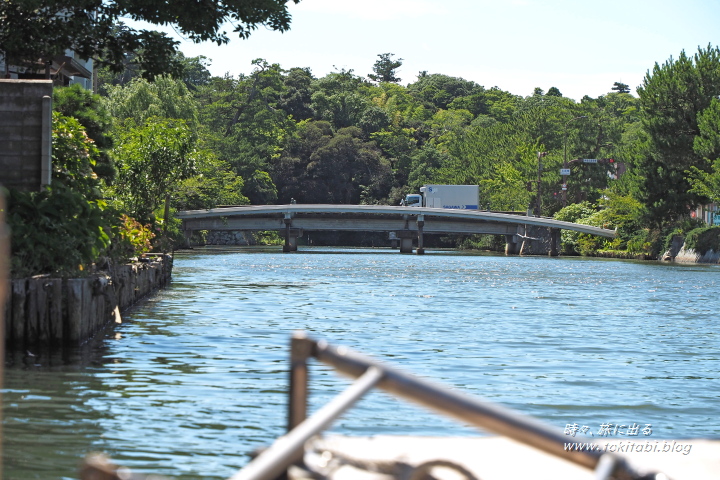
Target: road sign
(589, 160)
(564, 187)
(564, 171)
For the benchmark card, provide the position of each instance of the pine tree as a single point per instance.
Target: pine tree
(671, 97)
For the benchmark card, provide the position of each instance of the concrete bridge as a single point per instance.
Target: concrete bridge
(522, 233)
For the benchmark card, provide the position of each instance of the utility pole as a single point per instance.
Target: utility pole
(538, 200)
(565, 162)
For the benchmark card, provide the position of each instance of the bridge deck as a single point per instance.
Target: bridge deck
(371, 217)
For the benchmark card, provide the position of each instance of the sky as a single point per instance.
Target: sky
(579, 46)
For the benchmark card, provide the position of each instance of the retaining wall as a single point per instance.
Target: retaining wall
(53, 311)
(229, 237)
(678, 253)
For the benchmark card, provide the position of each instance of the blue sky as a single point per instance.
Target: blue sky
(580, 47)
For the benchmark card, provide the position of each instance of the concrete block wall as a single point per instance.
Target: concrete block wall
(25, 133)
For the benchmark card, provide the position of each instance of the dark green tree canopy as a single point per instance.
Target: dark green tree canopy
(440, 90)
(620, 87)
(672, 97)
(553, 92)
(33, 30)
(385, 68)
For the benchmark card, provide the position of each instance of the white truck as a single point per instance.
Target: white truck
(445, 196)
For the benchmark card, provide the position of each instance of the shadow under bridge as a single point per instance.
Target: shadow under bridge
(523, 234)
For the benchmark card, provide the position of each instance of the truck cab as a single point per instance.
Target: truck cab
(413, 200)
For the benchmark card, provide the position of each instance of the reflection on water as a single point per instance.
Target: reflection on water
(196, 377)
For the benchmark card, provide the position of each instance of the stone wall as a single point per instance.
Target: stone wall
(229, 237)
(45, 311)
(691, 256)
(25, 133)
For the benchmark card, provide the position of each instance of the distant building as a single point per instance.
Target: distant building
(65, 70)
(708, 213)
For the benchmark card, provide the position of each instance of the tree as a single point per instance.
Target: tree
(245, 125)
(32, 30)
(707, 144)
(74, 101)
(194, 70)
(139, 100)
(672, 97)
(553, 92)
(620, 88)
(438, 90)
(385, 68)
(338, 98)
(319, 166)
(153, 158)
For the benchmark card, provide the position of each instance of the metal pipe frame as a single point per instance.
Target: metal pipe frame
(370, 373)
(289, 448)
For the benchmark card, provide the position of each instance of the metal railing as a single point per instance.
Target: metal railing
(289, 448)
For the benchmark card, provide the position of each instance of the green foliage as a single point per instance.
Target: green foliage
(33, 29)
(153, 159)
(88, 109)
(385, 68)
(73, 157)
(245, 125)
(140, 100)
(55, 231)
(437, 91)
(130, 239)
(339, 99)
(264, 191)
(569, 240)
(214, 184)
(673, 98)
(319, 166)
(620, 87)
(702, 240)
(271, 237)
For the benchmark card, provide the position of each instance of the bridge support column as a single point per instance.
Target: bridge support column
(512, 247)
(188, 235)
(420, 224)
(291, 234)
(554, 242)
(406, 240)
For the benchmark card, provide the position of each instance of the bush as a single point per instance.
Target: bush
(130, 239)
(56, 231)
(702, 240)
(569, 240)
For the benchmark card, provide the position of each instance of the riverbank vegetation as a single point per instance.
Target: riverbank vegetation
(145, 148)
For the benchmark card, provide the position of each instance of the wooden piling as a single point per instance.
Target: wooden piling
(44, 311)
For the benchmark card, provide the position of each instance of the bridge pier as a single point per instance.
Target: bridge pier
(291, 234)
(406, 240)
(512, 246)
(420, 224)
(188, 235)
(554, 242)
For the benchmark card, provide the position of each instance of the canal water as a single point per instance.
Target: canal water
(196, 376)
